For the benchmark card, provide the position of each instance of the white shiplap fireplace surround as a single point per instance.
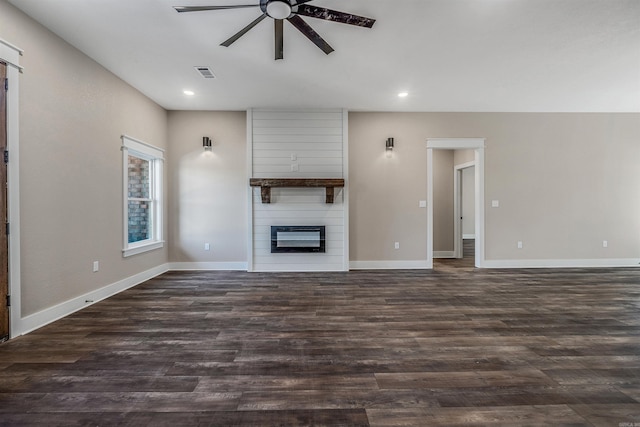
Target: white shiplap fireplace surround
(298, 144)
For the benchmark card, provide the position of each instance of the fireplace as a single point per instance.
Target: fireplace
(292, 239)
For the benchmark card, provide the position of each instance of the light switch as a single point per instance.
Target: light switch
(294, 167)
(294, 157)
(422, 204)
(495, 203)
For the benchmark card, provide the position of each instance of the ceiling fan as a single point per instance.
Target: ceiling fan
(291, 10)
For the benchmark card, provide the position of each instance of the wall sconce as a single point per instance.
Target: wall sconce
(206, 143)
(389, 146)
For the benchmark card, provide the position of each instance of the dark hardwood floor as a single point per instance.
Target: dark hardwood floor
(464, 264)
(452, 346)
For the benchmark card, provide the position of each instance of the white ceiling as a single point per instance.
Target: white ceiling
(450, 55)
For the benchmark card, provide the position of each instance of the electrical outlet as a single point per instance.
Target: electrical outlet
(605, 244)
(96, 266)
(422, 203)
(519, 245)
(207, 247)
(294, 167)
(397, 245)
(495, 203)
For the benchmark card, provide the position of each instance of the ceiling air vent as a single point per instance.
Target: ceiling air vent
(205, 72)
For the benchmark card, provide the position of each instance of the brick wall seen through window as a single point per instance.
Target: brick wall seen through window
(139, 203)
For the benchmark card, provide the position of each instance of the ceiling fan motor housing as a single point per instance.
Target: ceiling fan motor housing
(277, 9)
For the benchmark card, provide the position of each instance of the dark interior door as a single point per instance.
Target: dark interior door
(4, 238)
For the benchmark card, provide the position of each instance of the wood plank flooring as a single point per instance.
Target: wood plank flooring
(453, 346)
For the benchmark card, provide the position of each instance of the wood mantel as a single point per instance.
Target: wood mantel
(266, 184)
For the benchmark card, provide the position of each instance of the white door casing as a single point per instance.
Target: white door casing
(10, 54)
(478, 145)
(458, 204)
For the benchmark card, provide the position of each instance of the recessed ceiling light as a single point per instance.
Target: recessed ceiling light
(189, 92)
(403, 94)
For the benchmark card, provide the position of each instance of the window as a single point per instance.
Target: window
(142, 165)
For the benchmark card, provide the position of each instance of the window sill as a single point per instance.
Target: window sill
(141, 248)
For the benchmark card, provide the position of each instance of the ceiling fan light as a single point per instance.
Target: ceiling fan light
(278, 9)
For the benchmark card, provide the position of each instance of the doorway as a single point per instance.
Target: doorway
(478, 146)
(4, 238)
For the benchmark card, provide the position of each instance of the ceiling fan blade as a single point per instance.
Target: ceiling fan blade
(279, 38)
(242, 32)
(309, 32)
(203, 8)
(335, 16)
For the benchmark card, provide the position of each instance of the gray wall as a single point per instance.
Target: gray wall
(208, 190)
(565, 183)
(72, 114)
(443, 198)
(468, 207)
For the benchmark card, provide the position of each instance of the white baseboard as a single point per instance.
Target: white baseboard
(220, 266)
(468, 236)
(388, 265)
(561, 263)
(51, 314)
(444, 254)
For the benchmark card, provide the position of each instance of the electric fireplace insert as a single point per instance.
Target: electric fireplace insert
(291, 239)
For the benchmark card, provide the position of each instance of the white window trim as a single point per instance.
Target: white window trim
(156, 155)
